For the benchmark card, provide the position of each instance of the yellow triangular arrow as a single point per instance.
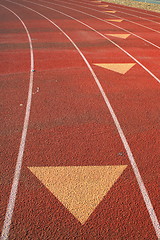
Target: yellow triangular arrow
(79, 188)
(124, 36)
(116, 67)
(114, 20)
(110, 11)
(103, 5)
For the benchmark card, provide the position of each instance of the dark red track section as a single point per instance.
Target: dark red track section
(70, 124)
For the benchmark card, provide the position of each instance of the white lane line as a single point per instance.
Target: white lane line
(119, 11)
(143, 190)
(14, 188)
(103, 21)
(146, 69)
(112, 16)
(132, 10)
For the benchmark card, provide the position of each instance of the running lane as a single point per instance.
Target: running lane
(71, 126)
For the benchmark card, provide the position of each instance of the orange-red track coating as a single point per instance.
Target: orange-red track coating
(70, 124)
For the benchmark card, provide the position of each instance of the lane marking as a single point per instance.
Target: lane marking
(116, 67)
(145, 68)
(139, 179)
(79, 188)
(14, 188)
(103, 6)
(108, 13)
(140, 17)
(114, 20)
(123, 12)
(104, 21)
(123, 36)
(111, 23)
(121, 7)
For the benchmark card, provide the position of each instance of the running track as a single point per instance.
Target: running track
(80, 120)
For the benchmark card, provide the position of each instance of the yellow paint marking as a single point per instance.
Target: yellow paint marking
(116, 67)
(110, 11)
(103, 5)
(114, 20)
(124, 36)
(79, 188)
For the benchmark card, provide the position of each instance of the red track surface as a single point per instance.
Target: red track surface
(70, 124)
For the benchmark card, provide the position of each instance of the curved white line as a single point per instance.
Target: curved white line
(113, 15)
(146, 69)
(143, 190)
(103, 21)
(14, 188)
(122, 12)
(120, 6)
(139, 17)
